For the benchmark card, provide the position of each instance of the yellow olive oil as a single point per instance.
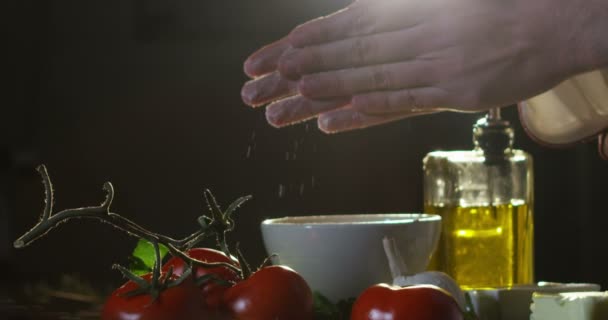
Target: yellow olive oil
(485, 246)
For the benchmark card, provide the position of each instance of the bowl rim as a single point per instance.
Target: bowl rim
(362, 219)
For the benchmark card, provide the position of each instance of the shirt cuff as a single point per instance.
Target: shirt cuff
(574, 111)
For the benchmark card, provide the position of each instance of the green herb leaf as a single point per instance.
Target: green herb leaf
(326, 310)
(142, 258)
(323, 308)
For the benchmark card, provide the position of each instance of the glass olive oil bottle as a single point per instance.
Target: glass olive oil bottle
(485, 199)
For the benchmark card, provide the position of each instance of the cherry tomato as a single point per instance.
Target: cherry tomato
(420, 302)
(212, 291)
(275, 292)
(179, 302)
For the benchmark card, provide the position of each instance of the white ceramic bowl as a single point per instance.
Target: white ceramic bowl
(341, 255)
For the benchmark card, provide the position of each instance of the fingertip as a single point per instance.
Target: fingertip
(253, 65)
(263, 60)
(324, 123)
(249, 93)
(273, 116)
(249, 67)
(272, 122)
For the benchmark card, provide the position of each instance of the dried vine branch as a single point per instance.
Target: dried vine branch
(217, 225)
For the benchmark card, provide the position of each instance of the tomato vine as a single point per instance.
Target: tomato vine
(217, 225)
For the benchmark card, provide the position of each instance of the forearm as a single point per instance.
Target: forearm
(592, 25)
(573, 33)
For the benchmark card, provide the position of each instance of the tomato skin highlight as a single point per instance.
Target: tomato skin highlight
(212, 292)
(179, 302)
(420, 302)
(275, 292)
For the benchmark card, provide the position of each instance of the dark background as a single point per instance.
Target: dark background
(146, 94)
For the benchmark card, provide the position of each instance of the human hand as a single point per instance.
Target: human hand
(383, 60)
(286, 106)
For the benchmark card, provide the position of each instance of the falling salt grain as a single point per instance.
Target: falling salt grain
(248, 155)
(281, 190)
(301, 189)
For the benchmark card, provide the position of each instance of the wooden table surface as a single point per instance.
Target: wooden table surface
(70, 298)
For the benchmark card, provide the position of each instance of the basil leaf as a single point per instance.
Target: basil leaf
(142, 259)
(326, 310)
(323, 308)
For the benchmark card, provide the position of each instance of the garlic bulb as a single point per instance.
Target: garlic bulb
(400, 278)
(436, 278)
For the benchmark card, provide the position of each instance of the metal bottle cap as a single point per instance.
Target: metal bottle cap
(494, 136)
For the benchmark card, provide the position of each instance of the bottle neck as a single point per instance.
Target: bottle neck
(494, 136)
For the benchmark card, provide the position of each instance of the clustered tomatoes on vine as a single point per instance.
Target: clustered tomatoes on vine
(273, 292)
(211, 290)
(218, 289)
(178, 302)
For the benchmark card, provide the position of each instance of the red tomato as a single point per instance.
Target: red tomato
(179, 302)
(271, 293)
(212, 291)
(420, 302)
